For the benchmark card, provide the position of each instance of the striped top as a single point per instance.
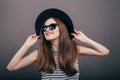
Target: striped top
(58, 74)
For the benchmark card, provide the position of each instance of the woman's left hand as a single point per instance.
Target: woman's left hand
(94, 48)
(79, 35)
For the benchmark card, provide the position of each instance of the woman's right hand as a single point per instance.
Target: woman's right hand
(31, 40)
(18, 61)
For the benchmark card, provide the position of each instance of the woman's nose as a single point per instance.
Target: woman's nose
(47, 29)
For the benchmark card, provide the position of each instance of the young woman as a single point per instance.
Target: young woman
(57, 54)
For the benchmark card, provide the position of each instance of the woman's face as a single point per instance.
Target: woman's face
(51, 30)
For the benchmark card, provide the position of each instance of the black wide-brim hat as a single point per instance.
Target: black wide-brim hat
(55, 13)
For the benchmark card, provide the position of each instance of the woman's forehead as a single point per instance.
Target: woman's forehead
(49, 21)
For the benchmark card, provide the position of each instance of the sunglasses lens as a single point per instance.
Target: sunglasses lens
(44, 28)
(52, 26)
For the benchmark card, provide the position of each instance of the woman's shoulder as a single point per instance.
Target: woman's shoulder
(78, 48)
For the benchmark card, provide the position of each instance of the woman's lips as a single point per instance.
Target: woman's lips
(48, 33)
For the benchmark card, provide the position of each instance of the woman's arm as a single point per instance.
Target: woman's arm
(94, 48)
(18, 61)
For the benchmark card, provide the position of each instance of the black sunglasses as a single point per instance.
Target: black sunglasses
(51, 27)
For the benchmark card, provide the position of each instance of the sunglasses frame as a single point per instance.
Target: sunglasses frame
(51, 26)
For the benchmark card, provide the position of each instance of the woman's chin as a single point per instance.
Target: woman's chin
(49, 39)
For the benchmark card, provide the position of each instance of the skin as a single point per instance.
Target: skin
(18, 61)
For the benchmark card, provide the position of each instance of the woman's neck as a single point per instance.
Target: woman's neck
(55, 43)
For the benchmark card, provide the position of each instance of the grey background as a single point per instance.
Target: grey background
(98, 19)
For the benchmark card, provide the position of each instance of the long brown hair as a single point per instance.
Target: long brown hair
(66, 56)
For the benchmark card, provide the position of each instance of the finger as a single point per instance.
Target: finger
(38, 37)
(80, 32)
(33, 35)
(75, 31)
(73, 34)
